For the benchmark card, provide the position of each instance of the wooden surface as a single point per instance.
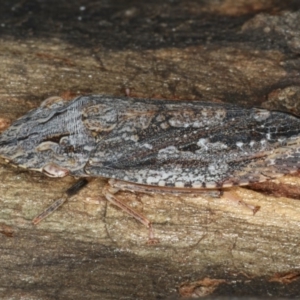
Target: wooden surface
(245, 53)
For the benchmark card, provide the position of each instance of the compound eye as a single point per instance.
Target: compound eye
(53, 101)
(52, 170)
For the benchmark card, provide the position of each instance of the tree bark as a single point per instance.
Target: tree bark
(245, 54)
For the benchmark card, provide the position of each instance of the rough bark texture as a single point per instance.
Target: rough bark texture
(243, 52)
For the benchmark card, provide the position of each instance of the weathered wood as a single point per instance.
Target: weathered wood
(90, 251)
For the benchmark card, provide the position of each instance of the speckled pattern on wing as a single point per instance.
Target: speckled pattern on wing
(188, 144)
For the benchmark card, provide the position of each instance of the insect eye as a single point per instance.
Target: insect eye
(52, 101)
(56, 138)
(53, 170)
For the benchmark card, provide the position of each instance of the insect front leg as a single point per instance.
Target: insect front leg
(74, 189)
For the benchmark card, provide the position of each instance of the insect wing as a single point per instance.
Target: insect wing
(194, 145)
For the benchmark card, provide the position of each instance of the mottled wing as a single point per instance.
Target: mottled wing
(191, 144)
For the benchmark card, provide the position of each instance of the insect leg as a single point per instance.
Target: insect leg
(139, 188)
(214, 193)
(109, 192)
(74, 189)
(49, 210)
(231, 195)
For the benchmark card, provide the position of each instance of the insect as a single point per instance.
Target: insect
(151, 146)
